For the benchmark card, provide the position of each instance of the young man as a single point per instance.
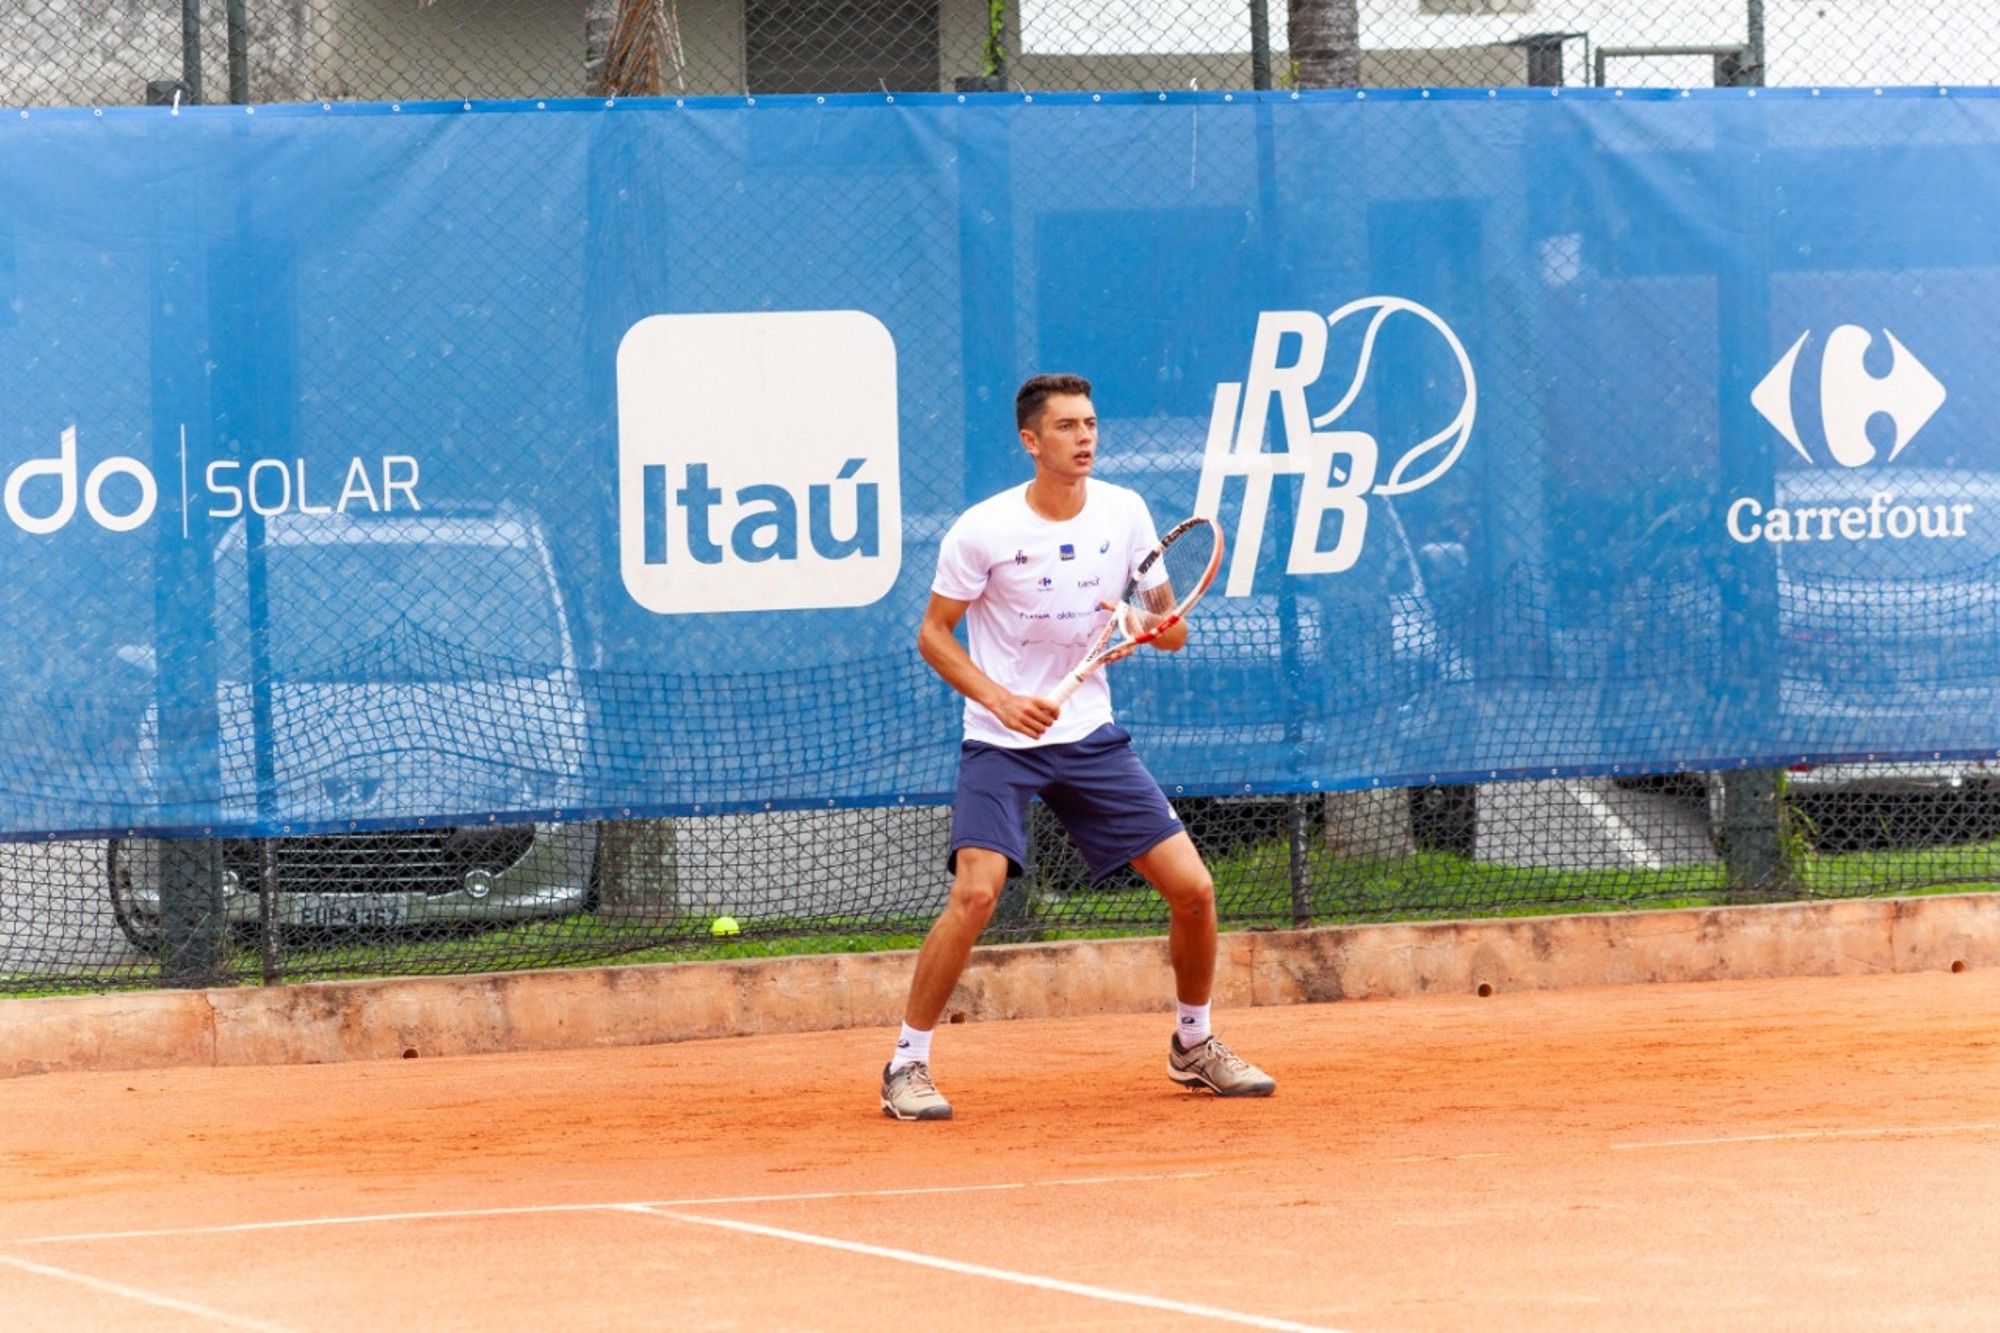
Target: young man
(1028, 570)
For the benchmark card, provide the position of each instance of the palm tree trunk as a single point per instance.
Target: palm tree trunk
(630, 47)
(599, 18)
(1326, 53)
(1326, 43)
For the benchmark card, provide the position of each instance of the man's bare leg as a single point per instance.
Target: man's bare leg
(1196, 1059)
(907, 1090)
(1176, 870)
(975, 890)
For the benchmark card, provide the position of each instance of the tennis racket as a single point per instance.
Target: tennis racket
(1169, 580)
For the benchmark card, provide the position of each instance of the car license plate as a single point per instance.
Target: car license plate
(350, 909)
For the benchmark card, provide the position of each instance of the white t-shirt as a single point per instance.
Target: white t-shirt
(1033, 588)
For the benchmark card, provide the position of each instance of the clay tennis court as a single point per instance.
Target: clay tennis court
(1815, 1153)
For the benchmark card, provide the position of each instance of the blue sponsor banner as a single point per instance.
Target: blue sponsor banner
(362, 465)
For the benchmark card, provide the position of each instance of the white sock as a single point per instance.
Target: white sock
(912, 1047)
(1192, 1027)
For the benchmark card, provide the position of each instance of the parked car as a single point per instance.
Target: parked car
(415, 665)
(1883, 633)
(1884, 626)
(1894, 625)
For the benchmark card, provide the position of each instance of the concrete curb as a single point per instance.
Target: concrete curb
(668, 1002)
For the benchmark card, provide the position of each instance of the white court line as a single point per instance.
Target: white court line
(998, 1274)
(1907, 1131)
(531, 1210)
(144, 1297)
(1621, 833)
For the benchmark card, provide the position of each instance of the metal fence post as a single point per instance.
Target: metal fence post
(1756, 854)
(190, 911)
(239, 53)
(1260, 44)
(187, 729)
(191, 48)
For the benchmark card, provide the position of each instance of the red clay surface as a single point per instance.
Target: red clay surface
(1816, 1154)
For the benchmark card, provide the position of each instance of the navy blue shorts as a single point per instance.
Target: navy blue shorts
(1097, 787)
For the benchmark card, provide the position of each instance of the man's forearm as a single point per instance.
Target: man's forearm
(948, 657)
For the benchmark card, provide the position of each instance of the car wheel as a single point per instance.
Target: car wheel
(118, 875)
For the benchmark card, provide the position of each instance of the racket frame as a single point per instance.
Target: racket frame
(1103, 650)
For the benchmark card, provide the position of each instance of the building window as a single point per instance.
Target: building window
(841, 46)
(1475, 6)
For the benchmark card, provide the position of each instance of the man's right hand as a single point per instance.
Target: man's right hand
(1026, 714)
(947, 656)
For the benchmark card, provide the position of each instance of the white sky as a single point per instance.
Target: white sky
(1807, 41)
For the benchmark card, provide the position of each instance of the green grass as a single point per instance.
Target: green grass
(1253, 891)
(579, 940)
(1253, 888)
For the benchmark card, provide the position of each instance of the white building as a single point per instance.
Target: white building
(101, 52)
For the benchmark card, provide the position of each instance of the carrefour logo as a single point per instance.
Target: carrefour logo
(1903, 400)
(1907, 396)
(758, 466)
(1338, 469)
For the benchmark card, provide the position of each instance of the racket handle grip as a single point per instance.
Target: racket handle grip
(1066, 687)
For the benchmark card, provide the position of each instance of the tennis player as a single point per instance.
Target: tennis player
(1028, 571)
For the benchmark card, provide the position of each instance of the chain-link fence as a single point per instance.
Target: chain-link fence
(119, 52)
(116, 910)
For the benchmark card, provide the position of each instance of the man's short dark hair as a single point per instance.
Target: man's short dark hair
(1030, 397)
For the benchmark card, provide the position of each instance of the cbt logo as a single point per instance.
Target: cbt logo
(758, 465)
(1337, 468)
(1906, 396)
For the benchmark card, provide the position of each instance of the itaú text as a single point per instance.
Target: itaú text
(1882, 517)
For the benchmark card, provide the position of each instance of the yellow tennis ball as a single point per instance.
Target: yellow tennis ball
(725, 925)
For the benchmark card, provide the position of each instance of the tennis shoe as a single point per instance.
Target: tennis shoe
(909, 1094)
(1214, 1066)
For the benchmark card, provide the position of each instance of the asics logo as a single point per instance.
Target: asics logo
(1338, 469)
(1907, 396)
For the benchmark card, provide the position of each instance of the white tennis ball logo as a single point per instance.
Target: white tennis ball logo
(1337, 468)
(1432, 456)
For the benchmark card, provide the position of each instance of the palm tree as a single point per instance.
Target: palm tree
(1326, 43)
(631, 46)
(1326, 53)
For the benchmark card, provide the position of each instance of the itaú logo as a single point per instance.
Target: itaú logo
(758, 467)
(1338, 469)
(1904, 398)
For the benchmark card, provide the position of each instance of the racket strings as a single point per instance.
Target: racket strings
(1187, 565)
